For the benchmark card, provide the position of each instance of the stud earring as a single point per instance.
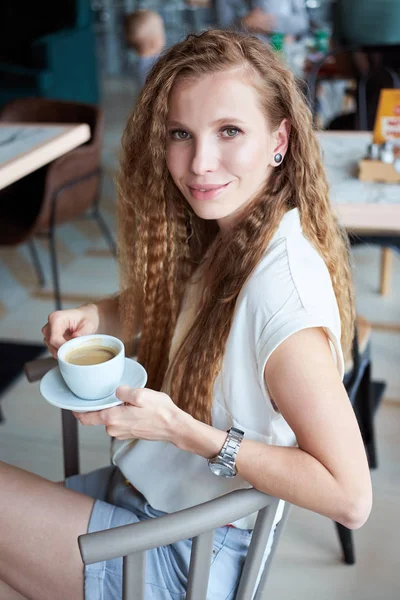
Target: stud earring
(278, 158)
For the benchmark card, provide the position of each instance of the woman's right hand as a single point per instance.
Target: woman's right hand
(63, 325)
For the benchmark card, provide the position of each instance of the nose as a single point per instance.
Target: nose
(205, 157)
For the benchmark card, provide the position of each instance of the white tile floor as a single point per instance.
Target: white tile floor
(308, 559)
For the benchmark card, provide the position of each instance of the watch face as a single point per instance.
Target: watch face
(221, 470)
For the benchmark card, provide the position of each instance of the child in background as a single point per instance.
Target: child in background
(145, 34)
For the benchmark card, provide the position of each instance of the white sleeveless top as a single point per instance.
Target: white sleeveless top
(288, 291)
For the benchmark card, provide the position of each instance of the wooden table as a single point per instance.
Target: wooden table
(363, 207)
(25, 147)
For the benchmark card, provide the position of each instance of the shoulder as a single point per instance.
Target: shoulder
(291, 267)
(290, 290)
(309, 272)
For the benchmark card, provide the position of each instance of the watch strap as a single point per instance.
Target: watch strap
(231, 445)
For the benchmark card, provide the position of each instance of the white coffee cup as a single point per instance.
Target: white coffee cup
(92, 382)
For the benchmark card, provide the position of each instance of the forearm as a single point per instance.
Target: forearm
(293, 475)
(284, 472)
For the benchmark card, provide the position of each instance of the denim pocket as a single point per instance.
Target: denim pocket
(219, 541)
(226, 566)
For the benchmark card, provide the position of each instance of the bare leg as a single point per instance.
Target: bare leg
(6, 593)
(39, 524)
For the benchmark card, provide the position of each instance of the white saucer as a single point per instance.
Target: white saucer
(54, 389)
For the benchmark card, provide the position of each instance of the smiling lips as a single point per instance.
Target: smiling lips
(207, 191)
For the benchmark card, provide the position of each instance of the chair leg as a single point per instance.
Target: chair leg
(362, 104)
(105, 231)
(365, 408)
(346, 541)
(386, 271)
(371, 454)
(54, 269)
(70, 443)
(69, 423)
(36, 262)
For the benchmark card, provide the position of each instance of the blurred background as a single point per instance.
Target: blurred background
(70, 73)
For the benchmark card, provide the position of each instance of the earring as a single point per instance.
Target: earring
(278, 158)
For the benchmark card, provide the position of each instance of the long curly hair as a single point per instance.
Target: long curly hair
(162, 241)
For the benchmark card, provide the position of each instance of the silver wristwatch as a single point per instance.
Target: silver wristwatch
(224, 464)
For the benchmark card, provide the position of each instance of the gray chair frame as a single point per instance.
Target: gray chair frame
(198, 522)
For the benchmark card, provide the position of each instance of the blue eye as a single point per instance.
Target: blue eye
(231, 132)
(179, 134)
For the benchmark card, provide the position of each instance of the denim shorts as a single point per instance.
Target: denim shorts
(166, 567)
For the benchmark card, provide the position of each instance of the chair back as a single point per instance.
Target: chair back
(60, 180)
(198, 522)
(368, 22)
(44, 110)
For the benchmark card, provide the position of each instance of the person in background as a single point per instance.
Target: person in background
(199, 15)
(145, 34)
(237, 284)
(264, 17)
(198, 3)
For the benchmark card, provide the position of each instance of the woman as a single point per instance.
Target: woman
(225, 223)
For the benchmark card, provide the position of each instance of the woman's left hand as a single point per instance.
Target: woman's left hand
(145, 415)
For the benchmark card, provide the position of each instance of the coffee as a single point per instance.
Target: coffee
(90, 355)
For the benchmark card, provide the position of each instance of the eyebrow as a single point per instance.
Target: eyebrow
(217, 122)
